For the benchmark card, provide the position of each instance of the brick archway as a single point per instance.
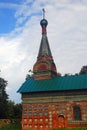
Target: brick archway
(61, 121)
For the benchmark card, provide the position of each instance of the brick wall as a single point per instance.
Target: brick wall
(52, 111)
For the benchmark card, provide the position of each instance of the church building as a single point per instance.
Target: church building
(51, 101)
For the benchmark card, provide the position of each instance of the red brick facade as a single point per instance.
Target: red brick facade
(45, 116)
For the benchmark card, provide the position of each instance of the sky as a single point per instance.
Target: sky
(20, 36)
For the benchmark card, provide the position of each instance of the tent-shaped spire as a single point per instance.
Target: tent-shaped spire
(45, 67)
(44, 47)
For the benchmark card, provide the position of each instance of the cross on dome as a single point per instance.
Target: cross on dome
(43, 22)
(43, 13)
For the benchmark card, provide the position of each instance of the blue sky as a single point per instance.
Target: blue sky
(20, 36)
(8, 20)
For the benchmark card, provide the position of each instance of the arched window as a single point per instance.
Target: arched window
(77, 113)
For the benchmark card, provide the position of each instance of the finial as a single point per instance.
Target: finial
(43, 13)
(43, 22)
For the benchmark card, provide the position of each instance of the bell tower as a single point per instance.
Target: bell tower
(44, 68)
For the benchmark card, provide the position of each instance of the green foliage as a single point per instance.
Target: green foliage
(3, 99)
(14, 126)
(8, 109)
(58, 74)
(14, 110)
(83, 70)
(70, 128)
(17, 111)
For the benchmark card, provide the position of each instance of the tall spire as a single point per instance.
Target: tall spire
(45, 67)
(44, 46)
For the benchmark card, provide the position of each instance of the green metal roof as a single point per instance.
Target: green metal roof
(54, 84)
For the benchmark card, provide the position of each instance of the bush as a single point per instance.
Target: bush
(12, 126)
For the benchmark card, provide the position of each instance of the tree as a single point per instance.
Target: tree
(14, 110)
(59, 74)
(3, 99)
(67, 74)
(18, 111)
(83, 70)
(10, 109)
(30, 74)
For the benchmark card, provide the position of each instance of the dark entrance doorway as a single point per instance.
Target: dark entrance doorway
(61, 121)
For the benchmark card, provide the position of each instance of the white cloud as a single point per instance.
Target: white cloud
(9, 5)
(67, 37)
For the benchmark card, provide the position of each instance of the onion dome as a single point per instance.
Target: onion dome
(43, 22)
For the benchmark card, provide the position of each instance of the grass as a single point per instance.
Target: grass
(71, 129)
(11, 127)
(18, 127)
